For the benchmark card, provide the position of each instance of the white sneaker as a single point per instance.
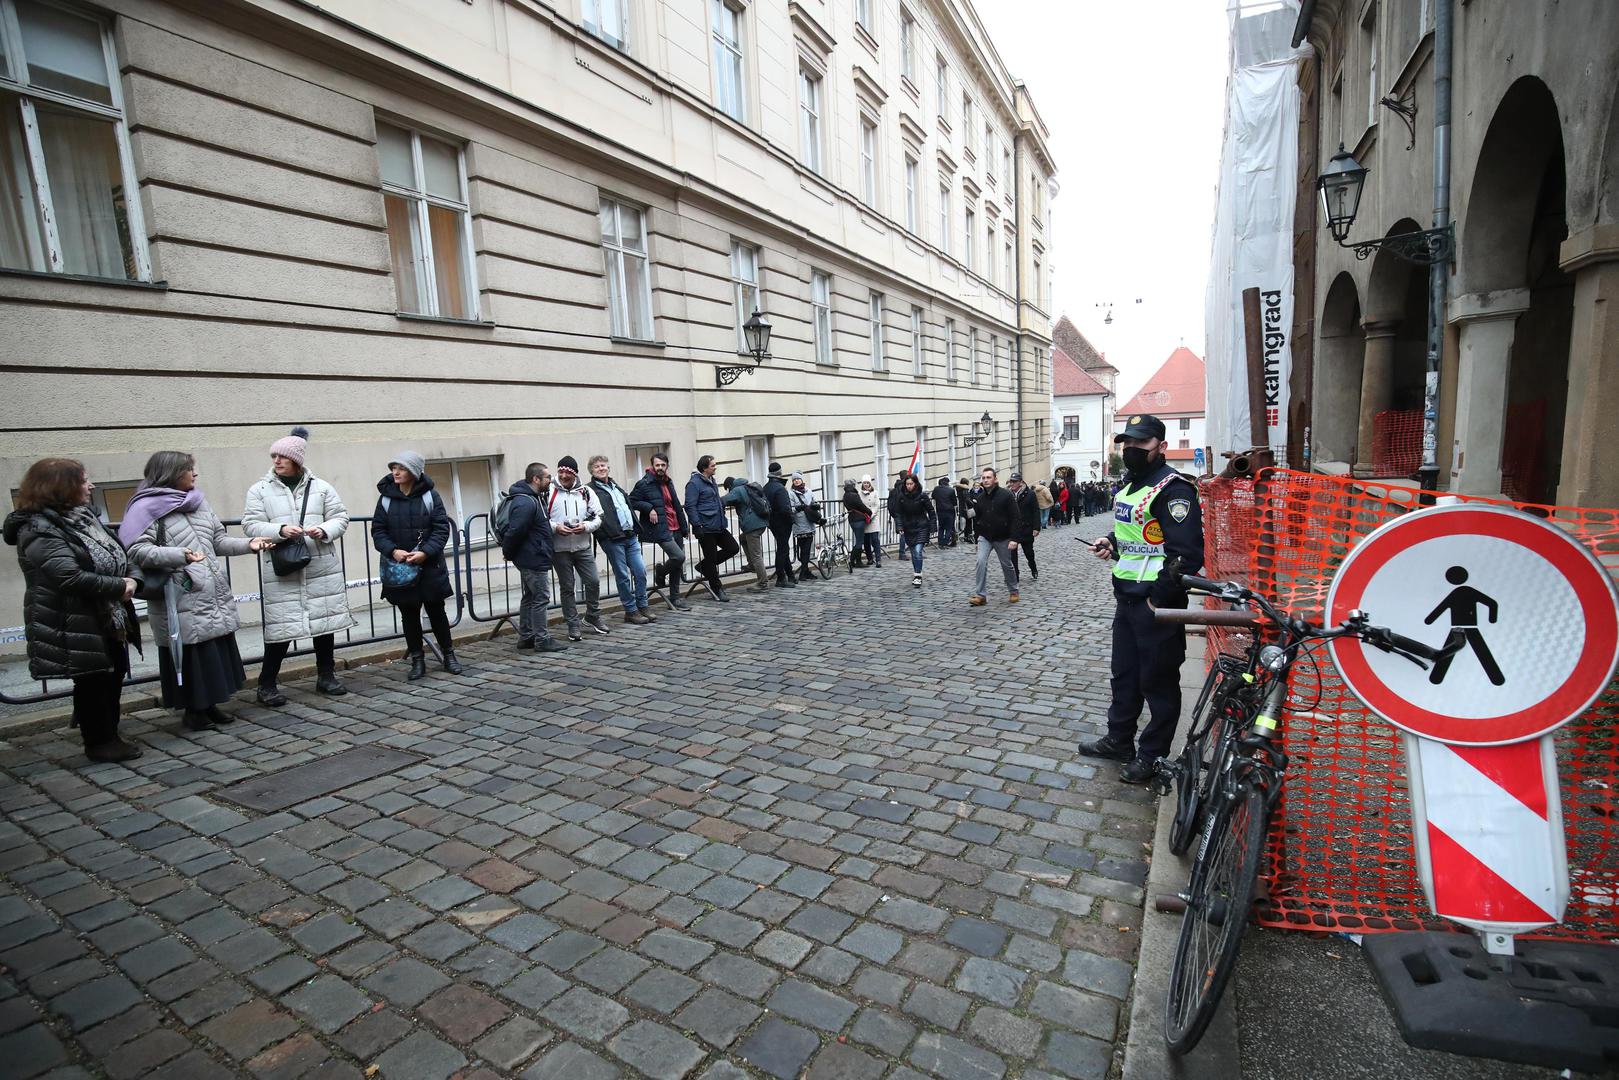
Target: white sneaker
(916, 579)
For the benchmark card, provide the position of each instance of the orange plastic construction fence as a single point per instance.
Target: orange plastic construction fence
(1397, 442)
(1340, 855)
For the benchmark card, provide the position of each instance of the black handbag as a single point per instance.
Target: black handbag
(154, 580)
(291, 556)
(812, 514)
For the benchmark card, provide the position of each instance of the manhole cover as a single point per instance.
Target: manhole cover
(289, 787)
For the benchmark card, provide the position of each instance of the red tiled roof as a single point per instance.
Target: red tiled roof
(1068, 379)
(1066, 336)
(1176, 389)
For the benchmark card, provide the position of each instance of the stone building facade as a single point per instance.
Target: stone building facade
(1530, 375)
(499, 231)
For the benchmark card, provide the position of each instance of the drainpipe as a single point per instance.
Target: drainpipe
(1443, 37)
(1017, 291)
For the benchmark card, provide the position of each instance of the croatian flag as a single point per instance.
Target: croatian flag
(916, 459)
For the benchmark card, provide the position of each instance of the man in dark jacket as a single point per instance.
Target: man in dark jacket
(781, 526)
(944, 506)
(661, 520)
(997, 523)
(528, 545)
(707, 515)
(1028, 521)
(618, 541)
(740, 494)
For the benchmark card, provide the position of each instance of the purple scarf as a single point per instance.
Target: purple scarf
(151, 503)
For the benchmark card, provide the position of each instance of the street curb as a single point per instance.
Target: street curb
(1146, 1055)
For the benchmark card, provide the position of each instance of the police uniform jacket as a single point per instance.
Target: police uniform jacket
(1175, 510)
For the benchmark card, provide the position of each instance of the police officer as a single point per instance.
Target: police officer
(1156, 521)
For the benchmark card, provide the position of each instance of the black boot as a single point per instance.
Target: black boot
(418, 667)
(326, 683)
(451, 664)
(114, 749)
(198, 721)
(219, 716)
(270, 696)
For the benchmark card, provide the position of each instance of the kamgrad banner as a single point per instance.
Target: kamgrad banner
(1253, 223)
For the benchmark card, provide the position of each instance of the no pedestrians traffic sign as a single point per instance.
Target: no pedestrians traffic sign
(1530, 610)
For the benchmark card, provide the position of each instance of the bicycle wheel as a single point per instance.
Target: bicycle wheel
(1216, 914)
(1200, 759)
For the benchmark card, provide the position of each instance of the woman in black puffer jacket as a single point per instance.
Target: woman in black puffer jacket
(912, 510)
(410, 527)
(78, 607)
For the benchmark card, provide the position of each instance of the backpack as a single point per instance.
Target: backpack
(757, 500)
(427, 502)
(500, 522)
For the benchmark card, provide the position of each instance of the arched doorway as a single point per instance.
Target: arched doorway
(1517, 314)
(1337, 376)
(1389, 438)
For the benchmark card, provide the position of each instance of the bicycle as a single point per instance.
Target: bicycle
(1229, 778)
(829, 555)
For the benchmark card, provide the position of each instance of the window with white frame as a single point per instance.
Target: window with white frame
(879, 357)
(744, 287)
(989, 250)
(821, 315)
(1070, 428)
(944, 217)
(921, 455)
(968, 246)
(994, 361)
(110, 499)
(468, 486)
(941, 74)
(429, 227)
(729, 92)
(1036, 283)
(757, 450)
(950, 349)
(868, 160)
(1006, 171)
(862, 14)
(989, 153)
(966, 121)
(972, 354)
(913, 195)
(809, 118)
(918, 358)
(830, 489)
(638, 459)
(609, 20)
(880, 460)
(907, 45)
(1011, 265)
(629, 278)
(950, 451)
(69, 199)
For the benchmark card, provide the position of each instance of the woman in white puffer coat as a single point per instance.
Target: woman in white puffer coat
(312, 602)
(170, 529)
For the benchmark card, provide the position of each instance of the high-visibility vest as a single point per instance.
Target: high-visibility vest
(1138, 536)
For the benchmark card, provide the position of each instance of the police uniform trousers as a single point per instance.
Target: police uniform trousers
(1147, 658)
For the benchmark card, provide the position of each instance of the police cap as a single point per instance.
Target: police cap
(1141, 426)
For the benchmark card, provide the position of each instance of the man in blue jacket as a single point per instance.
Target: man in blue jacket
(528, 545)
(661, 520)
(707, 515)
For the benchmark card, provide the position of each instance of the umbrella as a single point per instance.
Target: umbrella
(171, 607)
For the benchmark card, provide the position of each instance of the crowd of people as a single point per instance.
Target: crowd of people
(82, 576)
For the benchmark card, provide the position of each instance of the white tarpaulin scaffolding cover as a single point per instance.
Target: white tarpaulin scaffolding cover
(1253, 222)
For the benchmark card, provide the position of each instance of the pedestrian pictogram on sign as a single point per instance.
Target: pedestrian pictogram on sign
(1530, 614)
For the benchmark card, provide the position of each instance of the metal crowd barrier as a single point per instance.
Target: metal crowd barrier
(487, 588)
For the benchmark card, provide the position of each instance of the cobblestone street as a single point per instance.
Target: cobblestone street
(838, 832)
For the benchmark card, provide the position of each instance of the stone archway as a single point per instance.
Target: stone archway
(1395, 359)
(1516, 308)
(1337, 377)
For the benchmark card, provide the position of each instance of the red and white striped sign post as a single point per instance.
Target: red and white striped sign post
(1533, 617)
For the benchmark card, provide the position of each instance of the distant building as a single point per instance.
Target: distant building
(1175, 395)
(1080, 410)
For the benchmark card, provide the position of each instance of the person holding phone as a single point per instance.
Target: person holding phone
(1157, 535)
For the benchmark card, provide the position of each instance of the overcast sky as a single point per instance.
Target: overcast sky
(1133, 94)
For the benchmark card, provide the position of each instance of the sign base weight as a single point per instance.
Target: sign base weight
(1554, 1007)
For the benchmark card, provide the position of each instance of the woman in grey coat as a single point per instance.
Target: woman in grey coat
(292, 505)
(171, 530)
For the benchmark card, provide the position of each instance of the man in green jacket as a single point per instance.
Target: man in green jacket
(745, 497)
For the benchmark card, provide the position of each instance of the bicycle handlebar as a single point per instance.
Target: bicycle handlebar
(1205, 617)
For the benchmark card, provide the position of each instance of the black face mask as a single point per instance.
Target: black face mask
(1136, 460)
